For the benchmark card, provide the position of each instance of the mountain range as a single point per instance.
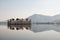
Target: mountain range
(36, 18)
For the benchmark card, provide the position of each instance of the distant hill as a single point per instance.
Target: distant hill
(56, 17)
(3, 22)
(42, 18)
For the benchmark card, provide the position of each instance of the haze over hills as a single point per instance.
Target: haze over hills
(43, 18)
(56, 17)
(37, 18)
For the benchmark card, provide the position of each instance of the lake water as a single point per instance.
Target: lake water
(37, 32)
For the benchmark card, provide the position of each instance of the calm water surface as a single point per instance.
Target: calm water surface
(37, 32)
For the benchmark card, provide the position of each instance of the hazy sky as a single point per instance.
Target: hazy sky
(25, 8)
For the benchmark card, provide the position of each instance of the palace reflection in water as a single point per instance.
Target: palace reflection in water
(19, 27)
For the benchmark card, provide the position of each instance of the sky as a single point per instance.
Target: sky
(25, 8)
